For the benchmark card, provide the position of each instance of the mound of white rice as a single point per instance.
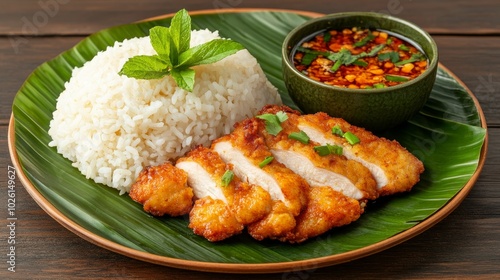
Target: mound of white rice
(111, 126)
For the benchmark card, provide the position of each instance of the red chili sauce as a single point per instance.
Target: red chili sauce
(359, 58)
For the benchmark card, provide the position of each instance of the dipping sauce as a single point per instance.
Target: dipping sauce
(359, 58)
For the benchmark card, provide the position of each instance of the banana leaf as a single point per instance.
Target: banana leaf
(448, 135)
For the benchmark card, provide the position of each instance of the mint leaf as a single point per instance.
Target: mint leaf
(208, 52)
(174, 57)
(180, 30)
(160, 40)
(184, 78)
(145, 67)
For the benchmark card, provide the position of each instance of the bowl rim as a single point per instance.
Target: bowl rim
(433, 63)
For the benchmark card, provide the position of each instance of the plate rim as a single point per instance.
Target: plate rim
(253, 268)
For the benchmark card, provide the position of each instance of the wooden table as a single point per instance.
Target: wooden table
(466, 244)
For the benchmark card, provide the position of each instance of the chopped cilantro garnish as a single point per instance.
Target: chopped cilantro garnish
(392, 56)
(273, 122)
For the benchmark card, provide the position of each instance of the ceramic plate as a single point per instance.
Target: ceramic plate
(448, 135)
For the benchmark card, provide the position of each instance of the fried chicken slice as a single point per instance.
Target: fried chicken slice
(245, 150)
(326, 209)
(222, 209)
(163, 190)
(395, 168)
(346, 176)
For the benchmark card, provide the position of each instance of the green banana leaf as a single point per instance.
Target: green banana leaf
(447, 135)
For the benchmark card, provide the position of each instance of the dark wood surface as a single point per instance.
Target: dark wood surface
(466, 244)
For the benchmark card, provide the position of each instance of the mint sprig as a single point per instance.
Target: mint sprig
(174, 56)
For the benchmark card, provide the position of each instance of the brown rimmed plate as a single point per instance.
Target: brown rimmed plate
(448, 135)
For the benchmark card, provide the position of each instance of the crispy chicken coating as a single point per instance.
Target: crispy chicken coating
(326, 209)
(213, 219)
(347, 176)
(250, 203)
(282, 188)
(163, 190)
(276, 224)
(396, 169)
(246, 150)
(235, 202)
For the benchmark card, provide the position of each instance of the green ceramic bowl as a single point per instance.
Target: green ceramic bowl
(374, 109)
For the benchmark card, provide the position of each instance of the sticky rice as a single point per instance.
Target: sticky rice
(111, 126)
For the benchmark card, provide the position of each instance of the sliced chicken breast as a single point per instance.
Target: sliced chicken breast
(246, 151)
(224, 205)
(392, 166)
(395, 169)
(335, 170)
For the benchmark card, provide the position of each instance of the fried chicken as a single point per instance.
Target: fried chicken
(245, 149)
(278, 223)
(281, 187)
(213, 219)
(394, 168)
(340, 173)
(222, 208)
(325, 210)
(163, 190)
